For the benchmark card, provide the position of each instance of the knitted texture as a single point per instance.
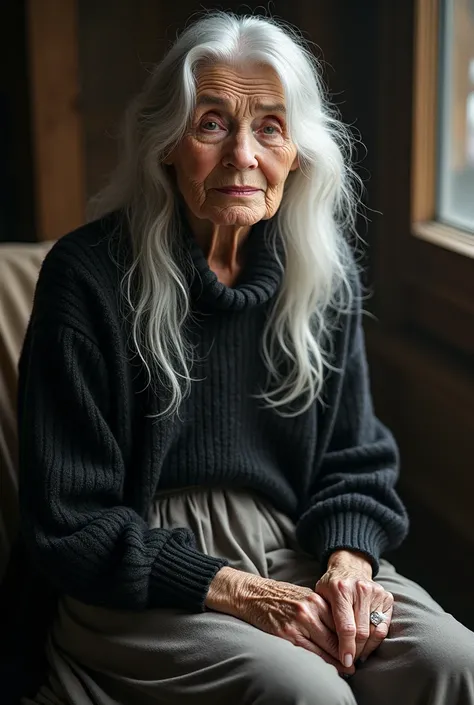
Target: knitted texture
(93, 454)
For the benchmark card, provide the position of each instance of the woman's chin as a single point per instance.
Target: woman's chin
(237, 215)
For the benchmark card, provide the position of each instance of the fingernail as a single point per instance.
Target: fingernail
(347, 660)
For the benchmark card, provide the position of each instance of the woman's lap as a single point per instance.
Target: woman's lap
(428, 657)
(105, 657)
(171, 657)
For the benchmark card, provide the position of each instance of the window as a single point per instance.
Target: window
(455, 187)
(442, 199)
(423, 260)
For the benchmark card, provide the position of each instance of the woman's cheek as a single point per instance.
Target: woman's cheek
(276, 170)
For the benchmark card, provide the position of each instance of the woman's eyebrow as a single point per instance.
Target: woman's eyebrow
(224, 103)
(271, 108)
(212, 100)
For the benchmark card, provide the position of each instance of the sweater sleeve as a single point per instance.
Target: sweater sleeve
(75, 523)
(353, 503)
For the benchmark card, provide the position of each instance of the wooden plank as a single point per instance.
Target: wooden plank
(389, 186)
(55, 116)
(425, 110)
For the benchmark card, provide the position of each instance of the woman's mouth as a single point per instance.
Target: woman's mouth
(238, 190)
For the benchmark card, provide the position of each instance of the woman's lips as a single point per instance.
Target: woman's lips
(238, 190)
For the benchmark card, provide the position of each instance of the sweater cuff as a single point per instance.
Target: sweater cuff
(351, 531)
(181, 575)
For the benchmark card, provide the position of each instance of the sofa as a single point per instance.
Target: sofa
(19, 268)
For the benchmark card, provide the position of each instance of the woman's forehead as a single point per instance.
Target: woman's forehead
(220, 84)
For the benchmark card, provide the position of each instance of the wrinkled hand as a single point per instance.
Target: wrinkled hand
(291, 612)
(347, 586)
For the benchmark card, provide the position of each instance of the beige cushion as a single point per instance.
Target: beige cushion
(19, 268)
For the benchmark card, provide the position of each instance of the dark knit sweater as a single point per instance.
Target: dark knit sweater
(92, 458)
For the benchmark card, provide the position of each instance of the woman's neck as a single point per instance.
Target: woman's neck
(223, 247)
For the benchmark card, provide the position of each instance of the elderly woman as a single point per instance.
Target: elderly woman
(204, 482)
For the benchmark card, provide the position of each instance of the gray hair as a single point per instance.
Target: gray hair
(317, 210)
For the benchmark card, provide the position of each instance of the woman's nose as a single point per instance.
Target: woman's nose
(242, 152)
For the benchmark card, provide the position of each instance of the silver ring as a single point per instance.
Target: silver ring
(377, 618)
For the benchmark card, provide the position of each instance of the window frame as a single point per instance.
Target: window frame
(421, 272)
(425, 134)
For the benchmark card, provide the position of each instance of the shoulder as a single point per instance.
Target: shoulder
(80, 276)
(92, 248)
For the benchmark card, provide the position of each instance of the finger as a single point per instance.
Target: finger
(325, 615)
(324, 638)
(315, 649)
(377, 635)
(362, 610)
(322, 630)
(344, 621)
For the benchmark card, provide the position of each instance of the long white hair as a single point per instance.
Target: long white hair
(317, 210)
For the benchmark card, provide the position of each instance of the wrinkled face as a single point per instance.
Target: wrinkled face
(232, 164)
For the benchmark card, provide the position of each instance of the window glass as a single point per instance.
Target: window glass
(455, 198)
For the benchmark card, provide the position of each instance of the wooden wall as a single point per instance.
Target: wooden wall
(118, 40)
(55, 115)
(422, 349)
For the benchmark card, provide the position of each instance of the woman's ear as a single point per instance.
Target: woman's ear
(296, 164)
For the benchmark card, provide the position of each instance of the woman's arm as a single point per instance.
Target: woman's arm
(75, 523)
(353, 503)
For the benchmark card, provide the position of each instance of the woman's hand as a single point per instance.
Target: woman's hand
(347, 586)
(291, 612)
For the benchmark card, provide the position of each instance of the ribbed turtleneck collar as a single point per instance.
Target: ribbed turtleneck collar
(257, 283)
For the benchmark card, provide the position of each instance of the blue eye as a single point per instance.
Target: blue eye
(210, 122)
(271, 130)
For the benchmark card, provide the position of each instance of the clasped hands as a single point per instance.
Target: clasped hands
(348, 588)
(332, 621)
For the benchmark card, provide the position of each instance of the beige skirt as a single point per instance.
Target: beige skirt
(172, 657)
